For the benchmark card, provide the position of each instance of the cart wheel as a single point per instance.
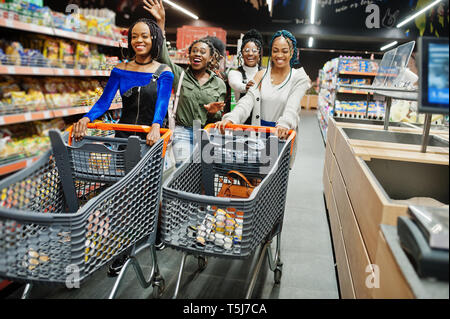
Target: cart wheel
(202, 262)
(277, 275)
(158, 288)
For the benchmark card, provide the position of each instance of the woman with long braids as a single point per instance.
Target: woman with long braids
(202, 93)
(145, 85)
(275, 100)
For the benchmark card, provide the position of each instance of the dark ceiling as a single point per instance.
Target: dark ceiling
(341, 24)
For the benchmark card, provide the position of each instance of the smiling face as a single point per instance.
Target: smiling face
(141, 39)
(200, 56)
(250, 53)
(281, 52)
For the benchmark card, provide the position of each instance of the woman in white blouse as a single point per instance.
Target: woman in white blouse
(275, 100)
(249, 59)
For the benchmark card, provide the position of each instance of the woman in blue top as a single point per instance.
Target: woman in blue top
(145, 85)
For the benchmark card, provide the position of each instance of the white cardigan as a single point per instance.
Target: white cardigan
(252, 102)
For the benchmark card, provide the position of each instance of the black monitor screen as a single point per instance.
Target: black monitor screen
(434, 76)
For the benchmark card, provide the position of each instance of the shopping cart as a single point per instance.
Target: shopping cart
(191, 208)
(80, 206)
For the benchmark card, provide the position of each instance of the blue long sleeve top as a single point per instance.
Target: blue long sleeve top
(124, 80)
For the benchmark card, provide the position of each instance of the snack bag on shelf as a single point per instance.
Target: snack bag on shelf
(14, 53)
(67, 54)
(92, 26)
(82, 60)
(51, 52)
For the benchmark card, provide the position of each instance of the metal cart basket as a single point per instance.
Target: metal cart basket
(81, 205)
(191, 208)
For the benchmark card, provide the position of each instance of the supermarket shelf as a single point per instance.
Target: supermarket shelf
(86, 38)
(358, 73)
(48, 114)
(18, 165)
(27, 70)
(17, 25)
(354, 92)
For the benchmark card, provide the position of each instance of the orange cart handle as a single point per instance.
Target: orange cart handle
(166, 133)
(265, 129)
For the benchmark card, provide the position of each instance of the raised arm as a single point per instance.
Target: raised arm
(156, 9)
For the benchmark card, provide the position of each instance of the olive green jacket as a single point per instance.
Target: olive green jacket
(194, 96)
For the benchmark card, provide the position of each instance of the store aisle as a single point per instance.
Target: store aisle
(308, 270)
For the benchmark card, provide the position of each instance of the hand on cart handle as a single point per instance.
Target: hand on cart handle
(221, 125)
(282, 132)
(80, 128)
(154, 135)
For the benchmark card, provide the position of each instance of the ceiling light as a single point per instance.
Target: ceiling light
(269, 5)
(313, 11)
(310, 42)
(417, 14)
(389, 45)
(176, 6)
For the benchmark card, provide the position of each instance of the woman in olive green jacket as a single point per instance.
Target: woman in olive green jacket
(202, 92)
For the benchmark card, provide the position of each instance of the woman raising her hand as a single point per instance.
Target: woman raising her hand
(202, 93)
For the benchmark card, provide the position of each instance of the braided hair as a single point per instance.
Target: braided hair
(213, 64)
(255, 37)
(156, 35)
(219, 53)
(292, 45)
(292, 41)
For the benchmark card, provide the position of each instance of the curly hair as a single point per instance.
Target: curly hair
(255, 37)
(215, 56)
(156, 35)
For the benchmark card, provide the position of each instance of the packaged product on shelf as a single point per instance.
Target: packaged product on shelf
(111, 62)
(51, 52)
(82, 56)
(67, 54)
(359, 82)
(14, 53)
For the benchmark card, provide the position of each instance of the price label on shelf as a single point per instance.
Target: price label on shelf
(47, 114)
(2, 120)
(65, 112)
(9, 23)
(28, 116)
(11, 70)
(59, 72)
(35, 71)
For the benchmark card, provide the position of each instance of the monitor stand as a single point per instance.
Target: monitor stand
(426, 132)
